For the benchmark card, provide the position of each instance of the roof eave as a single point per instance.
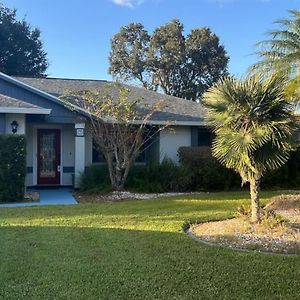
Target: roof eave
(40, 93)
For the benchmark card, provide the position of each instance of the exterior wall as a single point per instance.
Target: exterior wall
(171, 139)
(31, 155)
(67, 152)
(88, 149)
(20, 118)
(2, 123)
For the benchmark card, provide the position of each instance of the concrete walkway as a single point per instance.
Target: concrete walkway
(59, 196)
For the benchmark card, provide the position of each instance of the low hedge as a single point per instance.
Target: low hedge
(151, 178)
(287, 177)
(198, 170)
(12, 167)
(205, 172)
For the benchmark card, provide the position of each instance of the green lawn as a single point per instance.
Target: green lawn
(134, 250)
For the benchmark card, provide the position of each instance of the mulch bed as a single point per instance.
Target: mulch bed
(265, 237)
(122, 196)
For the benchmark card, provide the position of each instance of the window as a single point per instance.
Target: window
(150, 135)
(97, 155)
(142, 157)
(204, 137)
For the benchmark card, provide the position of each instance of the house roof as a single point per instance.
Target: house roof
(13, 105)
(173, 109)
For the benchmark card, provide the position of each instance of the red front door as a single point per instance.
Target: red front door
(48, 164)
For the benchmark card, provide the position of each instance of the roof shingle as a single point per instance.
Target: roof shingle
(6, 101)
(173, 109)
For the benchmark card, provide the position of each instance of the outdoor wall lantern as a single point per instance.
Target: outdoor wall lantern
(14, 126)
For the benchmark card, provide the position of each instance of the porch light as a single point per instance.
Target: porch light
(14, 126)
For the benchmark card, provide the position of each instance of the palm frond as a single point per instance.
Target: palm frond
(253, 124)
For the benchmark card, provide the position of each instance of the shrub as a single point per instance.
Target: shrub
(197, 171)
(288, 176)
(205, 172)
(155, 178)
(243, 211)
(151, 178)
(95, 179)
(12, 167)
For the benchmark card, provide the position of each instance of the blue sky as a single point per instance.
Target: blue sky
(77, 33)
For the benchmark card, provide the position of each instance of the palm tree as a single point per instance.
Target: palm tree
(280, 54)
(253, 125)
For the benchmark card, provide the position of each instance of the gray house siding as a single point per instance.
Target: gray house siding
(59, 114)
(2, 123)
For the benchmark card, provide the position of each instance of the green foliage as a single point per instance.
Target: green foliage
(167, 60)
(198, 171)
(129, 54)
(12, 167)
(158, 178)
(95, 179)
(243, 211)
(141, 178)
(288, 176)
(271, 219)
(21, 49)
(253, 124)
(280, 54)
(204, 171)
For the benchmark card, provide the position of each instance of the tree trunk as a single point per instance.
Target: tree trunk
(255, 205)
(117, 177)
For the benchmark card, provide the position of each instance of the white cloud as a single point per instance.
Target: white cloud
(128, 3)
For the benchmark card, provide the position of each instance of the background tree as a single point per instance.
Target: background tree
(280, 54)
(253, 125)
(21, 49)
(128, 58)
(166, 54)
(119, 127)
(168, 61)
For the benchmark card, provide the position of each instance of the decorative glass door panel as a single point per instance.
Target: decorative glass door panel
(48, 156)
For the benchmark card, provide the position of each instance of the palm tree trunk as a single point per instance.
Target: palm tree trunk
(255, 205)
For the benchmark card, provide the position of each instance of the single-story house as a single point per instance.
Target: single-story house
(58, 146)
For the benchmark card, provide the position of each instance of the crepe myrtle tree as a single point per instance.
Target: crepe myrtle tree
(253, 125)
(119, 126)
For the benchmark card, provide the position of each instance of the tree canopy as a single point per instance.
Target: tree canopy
(253, 125)
(178, 65)
(21, 49)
